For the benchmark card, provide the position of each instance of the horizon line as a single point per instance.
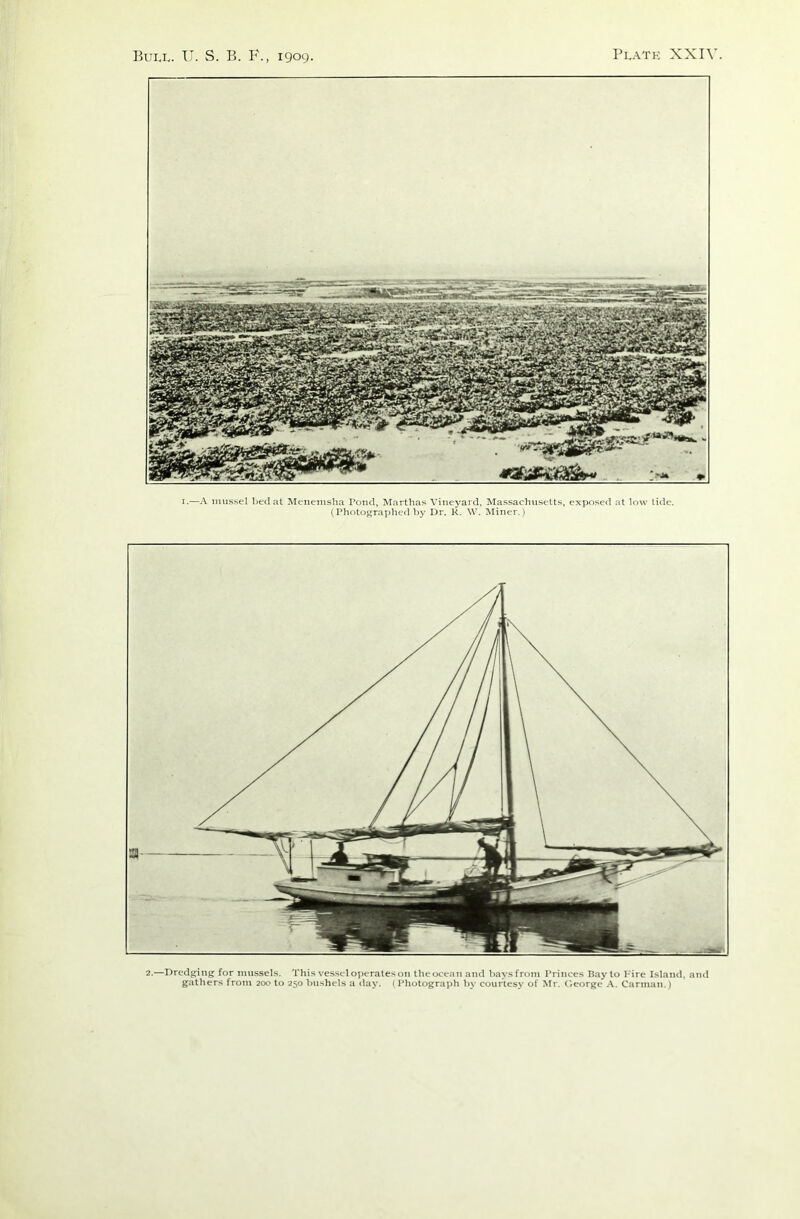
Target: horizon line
(328, 277)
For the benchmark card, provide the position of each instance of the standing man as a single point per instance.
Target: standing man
(493, 857)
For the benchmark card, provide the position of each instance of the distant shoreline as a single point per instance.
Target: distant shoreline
(514, 291)
(198, 280)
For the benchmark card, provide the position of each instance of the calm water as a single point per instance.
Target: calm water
(434, 453)
(224, 904)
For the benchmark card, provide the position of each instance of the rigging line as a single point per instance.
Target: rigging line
(493, 659)
(527, 743)
(281, 855)
(450, 712)
(456, 800)
(431, 790)
(623, 884)
(619, 741)
(347, 706)
(474, 644)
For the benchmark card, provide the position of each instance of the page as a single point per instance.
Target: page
(398, 646)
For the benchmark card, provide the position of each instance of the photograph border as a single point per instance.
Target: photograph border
(435, 76)
(530, 545)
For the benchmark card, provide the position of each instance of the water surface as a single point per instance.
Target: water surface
(226, 904)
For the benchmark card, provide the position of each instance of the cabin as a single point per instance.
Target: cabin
(377, 875)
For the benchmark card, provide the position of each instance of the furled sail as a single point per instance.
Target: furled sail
(485, 825)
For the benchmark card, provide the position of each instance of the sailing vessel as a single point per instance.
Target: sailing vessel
(477, 731)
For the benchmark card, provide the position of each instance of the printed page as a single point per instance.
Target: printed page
(398, 644)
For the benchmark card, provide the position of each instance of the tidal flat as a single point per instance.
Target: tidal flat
(427, 381)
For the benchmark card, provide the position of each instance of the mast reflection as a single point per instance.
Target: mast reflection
(372, 929)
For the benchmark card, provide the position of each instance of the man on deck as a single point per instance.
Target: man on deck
(493, 857)
(339, 855)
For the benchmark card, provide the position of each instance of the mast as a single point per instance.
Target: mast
(506, 759)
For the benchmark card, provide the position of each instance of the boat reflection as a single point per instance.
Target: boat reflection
(364, 928)
(571, 930)
(371, 929)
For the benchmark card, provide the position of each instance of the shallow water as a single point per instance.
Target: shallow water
(448, 455)
(226, 904)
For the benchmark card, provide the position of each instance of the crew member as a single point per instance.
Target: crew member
(339, 855)
(493, 857)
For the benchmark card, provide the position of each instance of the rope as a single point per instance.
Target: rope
(469, 665)
(527, 745)
(493, 658)
(619, 741)
(347, 706)
(651, 875)
(475, 644)
(431, 790)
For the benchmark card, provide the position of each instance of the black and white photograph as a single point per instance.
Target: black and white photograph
(427, 749)
(428, 279)
(398, 634)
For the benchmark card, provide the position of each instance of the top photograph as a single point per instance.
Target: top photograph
(420, 280)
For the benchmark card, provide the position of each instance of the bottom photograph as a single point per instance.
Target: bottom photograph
(427, 749)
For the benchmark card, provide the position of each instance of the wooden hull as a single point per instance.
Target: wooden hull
(410, 896)
(591, 887)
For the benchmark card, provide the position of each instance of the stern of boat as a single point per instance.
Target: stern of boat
(594, 886)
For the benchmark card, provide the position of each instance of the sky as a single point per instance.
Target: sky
(238, 652)
(426, 177)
